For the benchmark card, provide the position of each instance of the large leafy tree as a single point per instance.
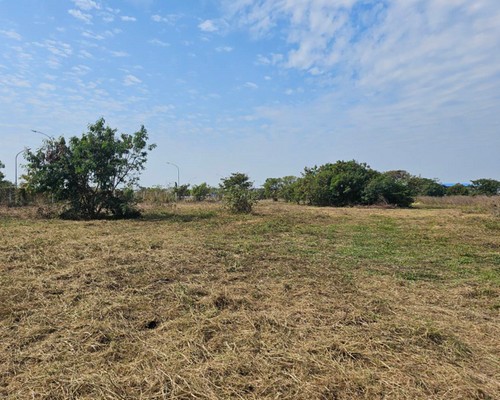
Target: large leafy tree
(386, 188)
(338, 184)
(488, 187)
(426, 187)
(93, 173)
(272, 188)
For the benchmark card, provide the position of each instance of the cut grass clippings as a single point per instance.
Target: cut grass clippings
(291, 302)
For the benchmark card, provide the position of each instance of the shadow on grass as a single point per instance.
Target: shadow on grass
(176, 217)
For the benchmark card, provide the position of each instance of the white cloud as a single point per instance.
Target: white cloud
(126, 18)
(46, 87)
(11, 34)
(53, 63)
(158, 42)
(208, 26)
(14, 80)
(224, 49)
(108, 17)
(112, 33)
(81, 70)
(57, 48)
(91, 35)
(250, 85)
(272, 59)
(419, 74)
(131, 80)
(119, 54)
(85, 54)
(87, 18)
(86, 5)
(170, 19)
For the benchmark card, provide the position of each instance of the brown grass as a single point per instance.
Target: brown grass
(473, 203)
(291, 302)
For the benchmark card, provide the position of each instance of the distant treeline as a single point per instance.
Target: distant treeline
(344, 183)
(347, 183)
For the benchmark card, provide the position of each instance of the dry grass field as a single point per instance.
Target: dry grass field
(291, 302)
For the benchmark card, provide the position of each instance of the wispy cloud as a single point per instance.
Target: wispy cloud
(119, 54)
(85, 54)
(81, 70)
(170, 19)
(92, 35)
(126, 18)
(131, 80)
(209, 25)
(11, 34)
(271, 59)
(224, 49)
(57, 48)
(14, 80)
(87, 18)
(251, 85)
(158, 42)
(47, 87)
(86, 5)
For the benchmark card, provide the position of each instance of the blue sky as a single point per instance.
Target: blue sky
(264, 87)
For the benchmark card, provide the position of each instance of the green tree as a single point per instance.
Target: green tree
(237, 193)
(289, 188)
(272, 188)
(426, 187)
(418, 186)
(488, 187)
(338, 184)
(3, 182)
(201, 191)
(458, 190)
(387, 189)
(237, 179)
(182, 191)
(94, 174)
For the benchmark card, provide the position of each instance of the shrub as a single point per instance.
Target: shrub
(339, 184)
(385, 189)
(458, 190)
(237, 192)
(201, 191)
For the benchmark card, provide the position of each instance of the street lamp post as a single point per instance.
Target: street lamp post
(15, 169)
(178, 173)
(44, 134)
(178, 180)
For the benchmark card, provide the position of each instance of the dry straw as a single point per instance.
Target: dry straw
(290, 302)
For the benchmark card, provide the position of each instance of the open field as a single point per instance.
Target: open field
(291, 302)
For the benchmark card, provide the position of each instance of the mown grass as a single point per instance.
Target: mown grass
(290, 302)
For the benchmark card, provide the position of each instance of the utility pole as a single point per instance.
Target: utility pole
(178, 183)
